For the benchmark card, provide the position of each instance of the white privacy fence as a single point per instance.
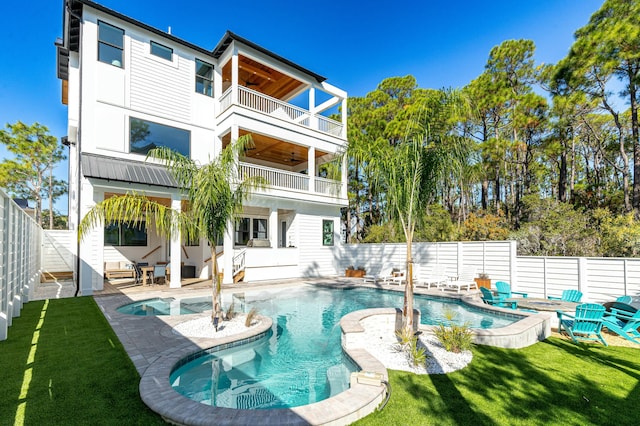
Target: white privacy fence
(20, 257)
(599, 279)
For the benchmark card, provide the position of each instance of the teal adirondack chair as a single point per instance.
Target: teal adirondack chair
(504, 289)
(568, 296)
(496, 300)
(625, 299)
(623, 323)
(587, 322)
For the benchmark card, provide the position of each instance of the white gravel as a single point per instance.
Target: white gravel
(380, 342)
(202, 327)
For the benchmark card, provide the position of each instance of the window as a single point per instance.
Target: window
(110, 44)
(122, 234)
(251, 228)
(242, 231)
(161, 51)
(327, 232)
(204, 78)
(260, 228)
(146, 135)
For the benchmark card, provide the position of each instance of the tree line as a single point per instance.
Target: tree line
(551, 151)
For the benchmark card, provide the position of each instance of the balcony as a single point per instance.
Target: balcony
(278, 109)
(282, 179)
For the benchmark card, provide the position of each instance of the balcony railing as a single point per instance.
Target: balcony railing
(262, 103)
(276, 178)
(288, 180)
(327, 186)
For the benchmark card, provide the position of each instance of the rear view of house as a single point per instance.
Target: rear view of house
(130, 87)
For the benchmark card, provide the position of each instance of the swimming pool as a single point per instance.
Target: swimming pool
(300, 361)
(166, 306)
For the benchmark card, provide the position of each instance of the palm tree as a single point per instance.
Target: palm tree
(214, 192)
(411, 170)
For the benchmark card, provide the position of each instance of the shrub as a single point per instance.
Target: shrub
(417, 354)
(456, 338)
(228, 316)
(250, 317)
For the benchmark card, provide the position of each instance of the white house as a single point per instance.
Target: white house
(120, 75)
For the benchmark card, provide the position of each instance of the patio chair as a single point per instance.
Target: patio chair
(568, 296)
(504, 289)
(138, 268)
(623, 323)
(466, 278)
(159, 271)
(385, 275)
(436, 276)
(587, 322)
(625, 299)
(497, 300)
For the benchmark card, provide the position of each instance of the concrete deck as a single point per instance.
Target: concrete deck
(155, 350)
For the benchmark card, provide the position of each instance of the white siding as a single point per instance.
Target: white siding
(159, 86)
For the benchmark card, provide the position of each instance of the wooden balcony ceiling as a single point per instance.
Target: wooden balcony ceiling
(261, 78)
(275, 150)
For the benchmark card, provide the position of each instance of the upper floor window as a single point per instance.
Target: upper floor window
(145, 135)
(110, 44)
(204, 78)
(161, 51)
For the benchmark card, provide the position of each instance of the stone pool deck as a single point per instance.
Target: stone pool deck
(155, 350)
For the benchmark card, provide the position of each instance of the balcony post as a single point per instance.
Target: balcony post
(344, 118)
(311, 168)
(234, 77)
(313, 120)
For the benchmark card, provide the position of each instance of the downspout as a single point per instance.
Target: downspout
(78, 145)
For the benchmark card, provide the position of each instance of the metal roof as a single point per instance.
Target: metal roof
(124, 170)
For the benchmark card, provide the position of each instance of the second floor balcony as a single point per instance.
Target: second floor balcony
(291, 181)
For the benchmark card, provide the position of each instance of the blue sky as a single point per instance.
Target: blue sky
(355, 44)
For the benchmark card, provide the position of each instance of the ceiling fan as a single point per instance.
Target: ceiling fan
(292, 159)
(248, 83)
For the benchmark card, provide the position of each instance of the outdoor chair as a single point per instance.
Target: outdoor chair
(159, 271)
(385, 275)
(504, 289)
(466, 278)
(586, 323)
(568, 296)
(138, 268)
(623, 323)
(497, 300)
(436, 276)
(625, 299)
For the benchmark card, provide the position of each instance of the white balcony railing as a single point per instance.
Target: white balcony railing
(327, 186)
(281, 110)
(276, 178)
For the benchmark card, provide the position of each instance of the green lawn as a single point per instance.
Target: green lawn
(62, 364)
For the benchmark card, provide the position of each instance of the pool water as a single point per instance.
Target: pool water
(300, 361)
(166, 306)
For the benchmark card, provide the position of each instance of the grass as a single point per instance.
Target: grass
(62, 364)
(552, 382)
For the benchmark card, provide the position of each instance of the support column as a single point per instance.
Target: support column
(344, 118)
(234, 77)
(273, 227)
(313, 121)
(311, 167)
(175, 247)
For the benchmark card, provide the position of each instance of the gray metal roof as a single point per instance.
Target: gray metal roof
(124, 170)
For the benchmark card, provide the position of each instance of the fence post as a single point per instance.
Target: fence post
(4, 279)
(513, 264)
(583, 278)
